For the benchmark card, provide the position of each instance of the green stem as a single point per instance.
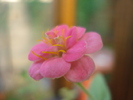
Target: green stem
(87, 92)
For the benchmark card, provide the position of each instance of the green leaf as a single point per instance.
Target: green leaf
(99, 89)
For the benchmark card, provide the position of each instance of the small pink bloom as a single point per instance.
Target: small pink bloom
(63, 53)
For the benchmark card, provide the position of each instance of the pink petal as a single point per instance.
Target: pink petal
(51, 34)
(54, 68)
(80, 32)
(60, 30)
(76, 52)
(34, 71)
(93, 40)
(80, 69)
(38, 49)
(73, 37)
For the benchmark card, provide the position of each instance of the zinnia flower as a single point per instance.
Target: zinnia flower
(63, 53)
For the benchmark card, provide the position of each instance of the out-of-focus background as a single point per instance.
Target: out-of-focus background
(21, 25)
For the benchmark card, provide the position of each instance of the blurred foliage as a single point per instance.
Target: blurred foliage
(67, 94)
(95, 15)
(92, 14)
(99, 89)
(29, 90)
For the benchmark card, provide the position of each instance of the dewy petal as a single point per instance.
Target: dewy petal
(34, 71)
(80, 32)
(80, 69)
(72, 34)
(76, 52)
(93, 40)
(37, 49)
(54, 68)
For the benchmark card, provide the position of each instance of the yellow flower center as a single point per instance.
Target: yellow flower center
(59, 42)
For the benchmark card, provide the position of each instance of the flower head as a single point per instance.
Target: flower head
(62, 52)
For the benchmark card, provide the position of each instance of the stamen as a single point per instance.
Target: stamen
(51, 41)
(47, 41)
(50, 52)
(38, 55)
(62, 51)
(67, 37)
(58, 45)
(43, 34)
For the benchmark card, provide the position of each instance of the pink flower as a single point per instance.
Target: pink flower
(62, 52)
